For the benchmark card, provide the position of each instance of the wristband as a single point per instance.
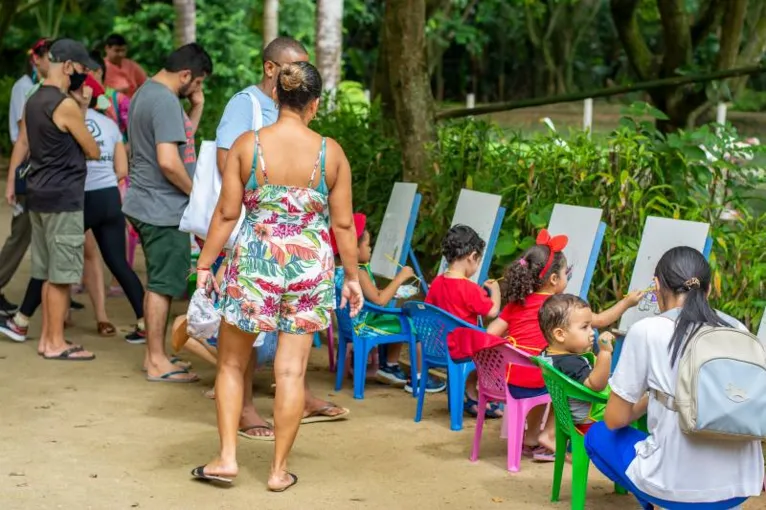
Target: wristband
(203, 268)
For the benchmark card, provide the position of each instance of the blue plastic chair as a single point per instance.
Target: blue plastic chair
(363, 344)
(431, 325)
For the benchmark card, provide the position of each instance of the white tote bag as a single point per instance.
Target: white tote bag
(206, 187)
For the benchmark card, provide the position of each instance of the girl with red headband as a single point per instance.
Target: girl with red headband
(529, 281)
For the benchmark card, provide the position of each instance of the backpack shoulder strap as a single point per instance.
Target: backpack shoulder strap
(257, 113)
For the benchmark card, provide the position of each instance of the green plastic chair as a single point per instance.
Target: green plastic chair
(561, 388)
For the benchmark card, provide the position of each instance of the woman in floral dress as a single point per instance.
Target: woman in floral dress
(279, 276)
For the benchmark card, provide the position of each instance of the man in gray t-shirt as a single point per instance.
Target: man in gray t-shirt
(161, 168)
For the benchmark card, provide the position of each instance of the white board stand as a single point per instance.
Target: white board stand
(392, 243)
(481, 212)
(762, 329)
(659, 236)
(583, 227)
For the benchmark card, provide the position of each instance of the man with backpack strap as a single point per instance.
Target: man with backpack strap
(238, 118)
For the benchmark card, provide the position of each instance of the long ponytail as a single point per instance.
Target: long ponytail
(684, 271)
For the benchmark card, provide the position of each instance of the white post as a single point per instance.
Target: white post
(762, 329)
(587, 115)
(470, 101)
(720, 113)
(367, 95)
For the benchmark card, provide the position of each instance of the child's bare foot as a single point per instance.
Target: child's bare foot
(252, 426)
(209, 393)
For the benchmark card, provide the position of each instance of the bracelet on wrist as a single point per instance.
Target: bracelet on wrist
(203, 268)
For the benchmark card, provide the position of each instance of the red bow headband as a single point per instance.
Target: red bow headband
(555, 244)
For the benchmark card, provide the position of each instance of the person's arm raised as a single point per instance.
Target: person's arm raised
(172, 167)
(120, 161)
(70, 117)
(229, 206)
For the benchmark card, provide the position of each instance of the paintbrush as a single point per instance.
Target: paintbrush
(392, 260)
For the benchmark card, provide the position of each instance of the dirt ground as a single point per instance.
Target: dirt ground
(96, 435)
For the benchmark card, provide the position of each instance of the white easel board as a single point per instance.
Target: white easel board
(580, 225)
(762, 329)
(659, 236)
(393, 231)
(479, 211)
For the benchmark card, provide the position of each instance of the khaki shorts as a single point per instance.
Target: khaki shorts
(57, 246)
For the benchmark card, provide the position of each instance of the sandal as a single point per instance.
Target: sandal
(322, 414)
(471, 407)
(283, 489)
(199, 474)
(243, 432)
(66, 355)
(106, 329)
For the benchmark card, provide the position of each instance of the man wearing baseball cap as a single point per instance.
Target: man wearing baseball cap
(59, 143)
(17, 242)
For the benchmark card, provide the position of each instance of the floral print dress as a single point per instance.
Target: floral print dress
(281, 270)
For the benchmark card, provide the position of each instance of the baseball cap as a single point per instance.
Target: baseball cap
(360, 222)
(69, 49)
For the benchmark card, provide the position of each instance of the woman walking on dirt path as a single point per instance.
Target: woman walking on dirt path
(280, 273)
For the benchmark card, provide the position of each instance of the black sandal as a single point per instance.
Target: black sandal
(199, 474)
(66, 355)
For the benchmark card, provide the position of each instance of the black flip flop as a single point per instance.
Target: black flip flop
(67, 355)
(199, 474)
(283, 489)
(43, 354)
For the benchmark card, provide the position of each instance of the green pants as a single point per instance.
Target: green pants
(167, 251)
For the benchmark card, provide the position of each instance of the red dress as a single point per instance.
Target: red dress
(524, 333)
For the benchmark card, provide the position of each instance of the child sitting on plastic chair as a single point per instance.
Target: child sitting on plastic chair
(539, 273)
(368, 323)
(455, 293)
(567, 324)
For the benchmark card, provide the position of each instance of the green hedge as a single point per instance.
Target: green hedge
(633, 173)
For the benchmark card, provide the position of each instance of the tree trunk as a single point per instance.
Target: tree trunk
(405, 22)
(270, 21)
(381, 85)
(186, 21)
(329, 41)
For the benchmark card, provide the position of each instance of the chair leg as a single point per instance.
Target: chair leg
(421, 390)
(516, 414)
(558, 465)
(317, 341)
(456, 385)
(414, 368)
(580, 464)
(340, 371)
(360, 369)
(479, 428)
(331, 348)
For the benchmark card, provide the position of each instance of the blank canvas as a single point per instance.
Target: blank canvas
(580, 225)
(389, 242)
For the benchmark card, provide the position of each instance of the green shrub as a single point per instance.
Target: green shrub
(6, 84)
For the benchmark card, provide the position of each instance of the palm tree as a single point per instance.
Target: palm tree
(186, 21)
(270, 21)
(329, 41)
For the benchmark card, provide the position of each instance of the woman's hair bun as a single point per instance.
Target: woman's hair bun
(291, 77)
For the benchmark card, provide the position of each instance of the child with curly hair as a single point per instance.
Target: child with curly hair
(539, 273)
(454, 292)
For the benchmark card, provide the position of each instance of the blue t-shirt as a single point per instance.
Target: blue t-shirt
(238, 116)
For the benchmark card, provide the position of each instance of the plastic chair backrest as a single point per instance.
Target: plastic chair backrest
(561, 388)
(492, 368)
(432, 325)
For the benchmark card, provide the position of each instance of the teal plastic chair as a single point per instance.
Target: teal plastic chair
(561, 388)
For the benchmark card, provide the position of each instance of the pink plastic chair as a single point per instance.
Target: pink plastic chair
(492, 368)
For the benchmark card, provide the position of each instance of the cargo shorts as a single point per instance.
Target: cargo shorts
(58, 241)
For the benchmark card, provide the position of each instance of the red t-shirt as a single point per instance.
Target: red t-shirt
(460, 297)
(524, 333)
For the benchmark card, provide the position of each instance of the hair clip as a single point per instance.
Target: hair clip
(692, 283)
(523, 262)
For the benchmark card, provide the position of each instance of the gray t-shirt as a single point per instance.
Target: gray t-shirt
(156, 116)
(19, 94)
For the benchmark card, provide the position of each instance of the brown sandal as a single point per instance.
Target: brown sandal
(106, 329)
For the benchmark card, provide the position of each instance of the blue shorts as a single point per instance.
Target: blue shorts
(612, 451)
(519, 392)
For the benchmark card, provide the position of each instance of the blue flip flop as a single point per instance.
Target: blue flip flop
(168, 377)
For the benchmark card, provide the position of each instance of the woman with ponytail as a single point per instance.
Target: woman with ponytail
(667, 468)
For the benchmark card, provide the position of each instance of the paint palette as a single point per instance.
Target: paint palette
(405, 292)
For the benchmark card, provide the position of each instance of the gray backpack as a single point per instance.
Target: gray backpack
(721, 385)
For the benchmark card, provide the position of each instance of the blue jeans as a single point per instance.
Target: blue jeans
(612, 451)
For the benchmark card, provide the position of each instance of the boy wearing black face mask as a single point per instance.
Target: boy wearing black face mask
(59, 143)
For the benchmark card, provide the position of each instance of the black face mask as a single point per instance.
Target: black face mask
(76, 80)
